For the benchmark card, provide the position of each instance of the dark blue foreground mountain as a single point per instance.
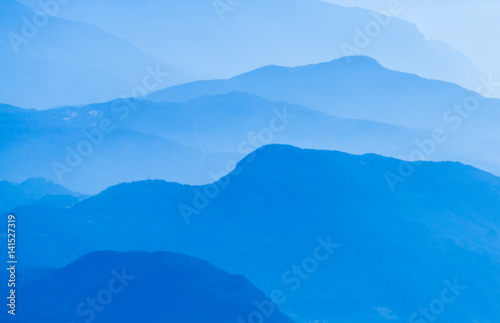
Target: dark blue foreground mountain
(322, 227)
(111, 287)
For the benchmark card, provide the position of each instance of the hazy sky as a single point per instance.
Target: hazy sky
(471, 27)
(468, 26)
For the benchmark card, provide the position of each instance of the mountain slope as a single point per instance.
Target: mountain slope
(139, 287)
(280, 204)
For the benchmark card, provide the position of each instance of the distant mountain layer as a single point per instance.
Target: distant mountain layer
(47, 61)
(342, 236)
(221, 38)
(360, 88)
(35, 190)
(136, 287)
(353, 87)
(199, 139)
(93, 147)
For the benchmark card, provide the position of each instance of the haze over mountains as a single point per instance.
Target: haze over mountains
(466, 26)
(36, 190)
(193, 143)
(277, 207)
(226, 41)
(332, 156)
(205, 127)
(61, 62)
(352, 87)
(360, 88)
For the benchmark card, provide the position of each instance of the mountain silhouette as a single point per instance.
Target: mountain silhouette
(439, 224)
(140, 287)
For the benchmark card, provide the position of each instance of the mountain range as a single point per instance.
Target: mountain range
(195, 133)
(221, 39)
(355, 87)
(392, 252)
(194, 142)
(245, 161)
(360, 88)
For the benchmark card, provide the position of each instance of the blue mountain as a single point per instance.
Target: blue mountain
(360, 88)
(194, 143)
(353, 87)
(139, 287)
(322, 227)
